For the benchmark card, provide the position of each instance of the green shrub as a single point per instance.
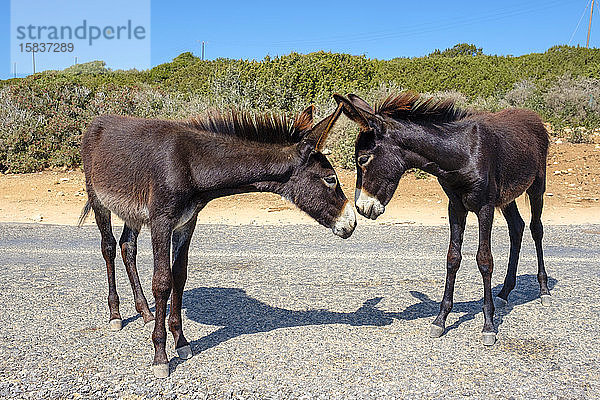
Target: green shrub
(461, 49)
(578, 135)
(419, 174)
(92, 67)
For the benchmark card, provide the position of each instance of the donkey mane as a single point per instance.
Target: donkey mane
(263, 128)
(415, 107)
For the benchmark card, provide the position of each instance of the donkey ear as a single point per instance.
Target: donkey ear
(350, 110)
(360, 103)
(304, 120)
(318, 135)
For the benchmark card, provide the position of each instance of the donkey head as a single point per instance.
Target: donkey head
(313, 185)
(379, 161)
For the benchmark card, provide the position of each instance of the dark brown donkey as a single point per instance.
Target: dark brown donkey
(162, 173)
(482, 161)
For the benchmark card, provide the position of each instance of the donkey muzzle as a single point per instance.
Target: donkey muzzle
(346, 222)
(367, 205)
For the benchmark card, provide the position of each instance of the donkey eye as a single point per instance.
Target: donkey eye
(364, 160)
(330, 180)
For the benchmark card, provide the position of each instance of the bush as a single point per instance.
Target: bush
(461, 49)
(572, 102)
(578, 135)
(92, 67)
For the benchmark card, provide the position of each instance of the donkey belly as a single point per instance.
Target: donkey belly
(120, 181)
(511, 191)
(125, 207)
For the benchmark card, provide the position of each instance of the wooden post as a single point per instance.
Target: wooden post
(587, 44)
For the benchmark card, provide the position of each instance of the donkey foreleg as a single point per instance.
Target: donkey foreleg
(457, 216)
(181, 245)
(162, 282)
(485, 263)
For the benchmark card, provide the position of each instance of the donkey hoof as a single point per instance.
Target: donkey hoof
(488, 338)
(161, 370)
(546, 300)
(500, 302)
(184, 352)
(436, 331)
(115, 324)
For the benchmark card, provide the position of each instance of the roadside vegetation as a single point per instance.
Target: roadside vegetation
(43, 116)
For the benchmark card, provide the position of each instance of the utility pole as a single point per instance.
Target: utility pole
(204, 43)
(587, 44)
(15, 70)
(33, 59)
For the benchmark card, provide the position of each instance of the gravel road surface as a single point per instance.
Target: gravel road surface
(295, 312)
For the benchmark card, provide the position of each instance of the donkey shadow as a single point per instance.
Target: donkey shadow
(525, 291)
(239, 314)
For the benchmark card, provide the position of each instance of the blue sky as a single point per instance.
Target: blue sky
(83, 29)
(379, 29)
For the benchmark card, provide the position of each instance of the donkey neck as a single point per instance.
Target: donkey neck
(228, 163)
(439, 149)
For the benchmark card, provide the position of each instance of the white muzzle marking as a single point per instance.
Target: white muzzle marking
(346, 222)
(367, 205)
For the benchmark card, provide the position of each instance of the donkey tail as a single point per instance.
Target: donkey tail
(84, 213)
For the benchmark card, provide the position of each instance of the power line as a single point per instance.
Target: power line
(580, 19)
(408, 31)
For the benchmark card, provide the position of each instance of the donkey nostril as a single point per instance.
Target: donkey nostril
(360, 206)
(369, 208)
(346, 222)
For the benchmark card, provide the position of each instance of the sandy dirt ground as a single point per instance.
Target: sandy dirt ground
(572, 197)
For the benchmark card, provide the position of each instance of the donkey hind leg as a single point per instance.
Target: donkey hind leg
(180, 247)
(516, 225)
(457, 217)
(128, 244)
(485, 263)
(109, 251)
(536, 200)
(162, 283)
